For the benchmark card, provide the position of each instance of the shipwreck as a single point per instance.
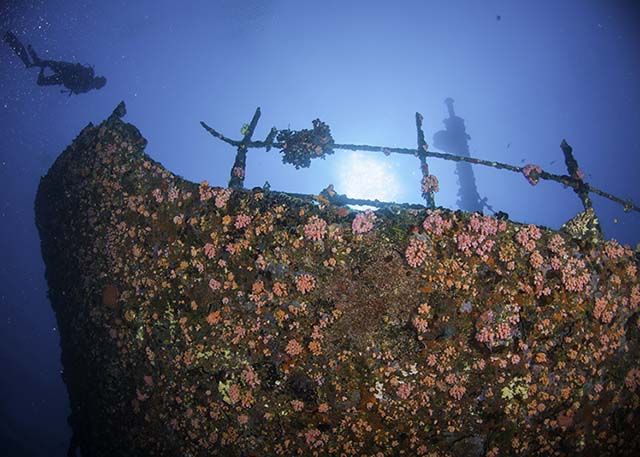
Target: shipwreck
(199, 320)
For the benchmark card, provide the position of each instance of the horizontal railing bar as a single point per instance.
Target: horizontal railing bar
(562, 179)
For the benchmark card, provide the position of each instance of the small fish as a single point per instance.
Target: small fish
(552, 162)
(498, 17)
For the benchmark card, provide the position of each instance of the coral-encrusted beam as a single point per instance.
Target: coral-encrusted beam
(427, 190)
(581, 189)
(236, 181)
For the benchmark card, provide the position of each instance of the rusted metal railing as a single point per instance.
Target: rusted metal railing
(429, 185)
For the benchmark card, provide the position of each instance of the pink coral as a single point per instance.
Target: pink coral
(315, 229)
(305, 283)
(556, 263)
(532, 173)
(279, 289)
(430, 184)
(604, 310)
(632, 380)
(173, 193)
(556, 245)
(404, 391)
(539, 282)
(536, 260)
(477, 236)
(575, 276)
(209, 250)
(297, 405)
(234, 393)
(293, 348)
(498, 328)
(613, 250)
(312, 435)
(157, 195)
(222, 197)
(457, 392)
(416, 252)
(242, 221)
(205, 191)
(436, 224)
(250, 377)
(634, 298)
(421, 324)
(214, 285)
(485, 225)
(363, 222)
(527, 237)
(238, 172)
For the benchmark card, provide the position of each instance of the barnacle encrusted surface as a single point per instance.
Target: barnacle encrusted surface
(201, 321)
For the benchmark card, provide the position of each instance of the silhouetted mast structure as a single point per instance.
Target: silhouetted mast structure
(454, 140)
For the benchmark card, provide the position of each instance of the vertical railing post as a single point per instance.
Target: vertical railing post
(582, 190)
(575, 173)
(236, 180)
(424, 167)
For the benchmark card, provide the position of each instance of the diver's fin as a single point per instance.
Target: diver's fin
(18, 48)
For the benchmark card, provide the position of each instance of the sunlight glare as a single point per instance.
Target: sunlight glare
(362, 175)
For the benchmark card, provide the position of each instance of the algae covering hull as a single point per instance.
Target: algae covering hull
(204, 321)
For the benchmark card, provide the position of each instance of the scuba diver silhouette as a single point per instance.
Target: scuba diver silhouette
(76, 78)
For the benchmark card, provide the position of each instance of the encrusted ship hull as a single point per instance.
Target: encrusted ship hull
(203, 321)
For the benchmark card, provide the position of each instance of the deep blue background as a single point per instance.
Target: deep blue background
(545, 71)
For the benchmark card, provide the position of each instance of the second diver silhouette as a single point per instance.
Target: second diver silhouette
(75, 77)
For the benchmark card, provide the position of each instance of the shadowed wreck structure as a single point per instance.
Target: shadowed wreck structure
(197, 320)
